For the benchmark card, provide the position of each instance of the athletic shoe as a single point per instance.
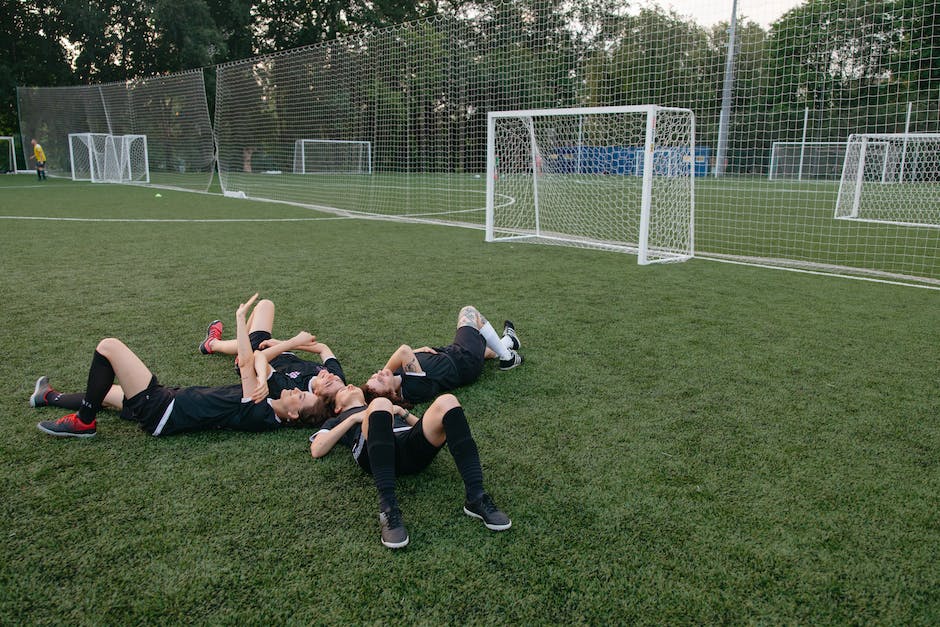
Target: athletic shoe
(68, 426)
(394, 534)
(514, 360)
(213, 332)
(509, 329)
(38, 399)
(485, 509)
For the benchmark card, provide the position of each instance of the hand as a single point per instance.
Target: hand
(260, 392)
(268, 343)
(242, 310)
(425, 349)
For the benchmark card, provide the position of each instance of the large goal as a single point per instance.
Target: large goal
(806, 161)
(332, 156)
(615, 178)
(892, 178)
(105, 158)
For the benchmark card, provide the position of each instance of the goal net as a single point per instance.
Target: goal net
(806, 161)
(332, 156)
(892, 178)
(104, 158)
(616, 178)
(7, 155)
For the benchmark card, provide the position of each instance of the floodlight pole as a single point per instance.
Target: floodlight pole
(724, 120)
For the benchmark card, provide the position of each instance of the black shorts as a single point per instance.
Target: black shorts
(467, 352)
(147, 407)
(413, 452)
(256, 337)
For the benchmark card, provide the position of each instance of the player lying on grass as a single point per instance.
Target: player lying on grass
(387, 441)
(287, 371)
(164, 411)
(416, 375)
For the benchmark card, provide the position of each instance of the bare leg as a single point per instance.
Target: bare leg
(261, 319)
(133, 374)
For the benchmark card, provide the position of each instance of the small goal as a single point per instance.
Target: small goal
(106, 158)
(806, 161)
(892, 178)
(8, 155)
(614, 178)
(332, 156)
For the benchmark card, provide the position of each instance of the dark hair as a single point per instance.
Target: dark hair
(371, 395)
(316, 415)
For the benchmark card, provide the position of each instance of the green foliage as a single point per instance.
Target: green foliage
(696, 443)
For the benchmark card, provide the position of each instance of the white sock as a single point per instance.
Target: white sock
(494, 342)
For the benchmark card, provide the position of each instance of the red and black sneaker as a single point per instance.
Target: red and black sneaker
(68, 426)
(213, 332)
(40, 392)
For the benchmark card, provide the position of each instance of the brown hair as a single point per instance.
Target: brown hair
(371, 395)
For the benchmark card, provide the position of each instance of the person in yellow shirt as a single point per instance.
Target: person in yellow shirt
(40, 156)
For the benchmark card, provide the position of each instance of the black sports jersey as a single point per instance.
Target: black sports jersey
(454, 365)
(203, 408)
(291, 372)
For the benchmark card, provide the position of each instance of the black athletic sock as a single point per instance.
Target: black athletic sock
(100, 380)
(381, 448)
(464, 451)
(65, 401)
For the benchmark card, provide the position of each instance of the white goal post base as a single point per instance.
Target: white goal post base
(332, 156)
(611, 178)
(891, 178)
(106, 158)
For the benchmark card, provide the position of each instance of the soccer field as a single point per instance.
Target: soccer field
(685, 443)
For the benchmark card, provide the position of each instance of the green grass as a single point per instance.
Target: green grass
(690, 443)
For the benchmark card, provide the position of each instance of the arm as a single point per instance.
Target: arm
(404, 359)
(246, 360)
(324, 441)
(410, 418)
(272, 348)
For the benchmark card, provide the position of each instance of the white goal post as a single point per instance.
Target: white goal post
(891, 178)
(814, 161)
(614, 178)
(106, 158)
(8, 155)
(332, 156)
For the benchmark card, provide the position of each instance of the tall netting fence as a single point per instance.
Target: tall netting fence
(170, 111)
(418, 94)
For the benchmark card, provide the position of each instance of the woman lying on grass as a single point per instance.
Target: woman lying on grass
(416, 375)
(387, 441)
(286, 370)
(164, 411)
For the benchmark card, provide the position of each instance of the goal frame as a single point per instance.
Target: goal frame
(645, 253)
(301, 145)
(111, 161)
(774, 160)
(12, 155)
(852, 182)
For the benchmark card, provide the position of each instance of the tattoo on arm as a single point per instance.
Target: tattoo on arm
(411, 366)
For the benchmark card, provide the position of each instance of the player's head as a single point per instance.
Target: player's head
(347, 397)
(301, 408)
(383, 384)
(326, 385)
(33, 141)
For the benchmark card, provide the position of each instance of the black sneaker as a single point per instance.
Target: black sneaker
(68, 426)
(38, 399)
(485, 509)
(213, 332)
(515, 359)
(394, 534)
(509, 330)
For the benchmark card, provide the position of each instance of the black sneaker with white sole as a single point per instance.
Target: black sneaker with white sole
(394, 534)
(485, 509)
(509, 330)
(515, 359)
